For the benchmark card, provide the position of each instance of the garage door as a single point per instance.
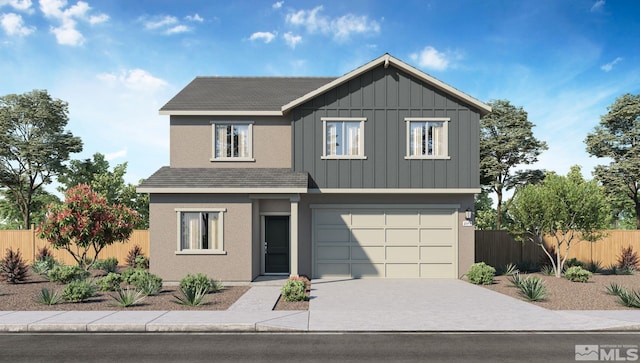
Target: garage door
(380, 241)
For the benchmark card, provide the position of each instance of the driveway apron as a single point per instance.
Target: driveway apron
(432, 305)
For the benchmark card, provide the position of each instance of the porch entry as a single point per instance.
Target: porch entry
(276, 244)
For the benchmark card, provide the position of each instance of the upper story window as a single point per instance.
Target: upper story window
(343, 138)
(427, 138)
(232, 141)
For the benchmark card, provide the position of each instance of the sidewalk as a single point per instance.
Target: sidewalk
(442, 306)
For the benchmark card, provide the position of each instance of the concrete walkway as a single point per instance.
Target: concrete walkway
(341, 305)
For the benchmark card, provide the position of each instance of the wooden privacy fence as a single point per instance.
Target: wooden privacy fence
(498, 248)
(29, 244)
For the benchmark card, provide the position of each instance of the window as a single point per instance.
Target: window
(200, 231)
(427, 138)
(343, 138)
(232, 142)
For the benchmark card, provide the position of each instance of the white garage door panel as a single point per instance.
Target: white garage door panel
(385, 242)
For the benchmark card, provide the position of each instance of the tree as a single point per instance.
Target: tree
(85, 223)
(506, 141)
(10, 215)
(618, 137)
(568, 209)
(109, 184)
(33, 145)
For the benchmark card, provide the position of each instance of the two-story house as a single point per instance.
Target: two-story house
(369, 174)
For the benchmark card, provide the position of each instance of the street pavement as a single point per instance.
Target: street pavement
(349, 305)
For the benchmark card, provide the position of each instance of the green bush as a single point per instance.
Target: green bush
(142, 262)
(191, 297)
(198, 281)
(532, 288)
(143, 280)
(577, 274)
(571, 262)
(481, 273)
(65, 274)
(107, 265)
(79, 290)
(594, 266)
(43, 265)
(111, 282)
(294, 290)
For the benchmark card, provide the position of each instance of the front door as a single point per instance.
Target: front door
(276, 244)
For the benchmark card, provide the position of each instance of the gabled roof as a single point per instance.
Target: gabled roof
(225, 180)
(275, 96)
(240, 95)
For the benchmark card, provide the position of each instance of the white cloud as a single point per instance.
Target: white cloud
(67, 33)
(431, 58)
(277, 5)
(292, 40)
(177, 29)
(116, 155)
(195, 17)
(267, 37)
(341, 28)
(598, 6)
(13, 25)
(609, 66)
(133, 79)
(160, 22)
(21, 5)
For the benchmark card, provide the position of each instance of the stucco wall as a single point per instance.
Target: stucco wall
(192, 142)
(236, 265)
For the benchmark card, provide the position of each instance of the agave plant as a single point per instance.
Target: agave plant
(128, 297)
(532, 288)
(191, 297)
(49, 297)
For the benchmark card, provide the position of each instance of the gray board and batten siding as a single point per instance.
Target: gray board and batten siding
(385, 96)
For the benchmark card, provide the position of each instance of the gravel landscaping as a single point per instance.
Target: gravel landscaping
(22, 296)
(563, 294)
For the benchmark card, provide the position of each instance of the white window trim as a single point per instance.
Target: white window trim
(221, 251)
(361, 156)
(445, 122)
(213, 141)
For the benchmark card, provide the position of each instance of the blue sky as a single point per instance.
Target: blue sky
(117, 62)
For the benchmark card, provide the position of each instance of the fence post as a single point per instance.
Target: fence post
(33, 243)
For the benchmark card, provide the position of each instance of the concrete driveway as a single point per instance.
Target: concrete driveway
(433, 305)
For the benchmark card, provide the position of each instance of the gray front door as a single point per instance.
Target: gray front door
(276, 244)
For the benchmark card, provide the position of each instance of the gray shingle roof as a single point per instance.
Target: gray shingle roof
(235, 178)
(242, 93)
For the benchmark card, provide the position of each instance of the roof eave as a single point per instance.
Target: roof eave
(220, 113)
(386, 59)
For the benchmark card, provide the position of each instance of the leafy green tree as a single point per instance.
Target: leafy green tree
(618, 137)
(110, 184)
(85, 224)
(10, 216)
(485, 214)
(566, 208)
(33, 145)
(507, 141)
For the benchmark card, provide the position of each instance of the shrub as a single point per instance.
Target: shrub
(547, 270)
(111, 282)
(192, 282)
(44, 253)
(594, 266)
(191, 297)
(216, 285)
(571, 262)
(625, 297)
(294, 290)
(532, 288)
(516, 280)
(40, 267)
(510, 269)
(143, 280)
(79, 290)
(128, 297)
(65, 274)
(577, 274)
(628, 259)
(107, 265)
(133, 260)
(48, 297)
(481, 273)
(13, 268)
